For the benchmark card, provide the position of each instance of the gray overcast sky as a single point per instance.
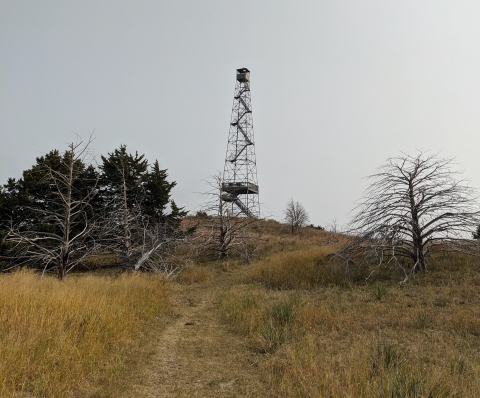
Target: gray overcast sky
(337, 87)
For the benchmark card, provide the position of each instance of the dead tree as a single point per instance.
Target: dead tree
(226, 230)
(295, 215)
(142, 243)
(155, 248)
(119, 222)
(57, 235)
(414, 207)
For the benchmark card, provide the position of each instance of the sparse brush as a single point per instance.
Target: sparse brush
(277, 323)
(379, 292)
(269, 325)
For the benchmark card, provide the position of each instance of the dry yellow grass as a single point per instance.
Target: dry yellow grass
(328, 339)
(309, 333)
(193, 274)
(299, 269)
(72, 338)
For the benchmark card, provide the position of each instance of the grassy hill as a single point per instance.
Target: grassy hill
(324, 336)
(302, 328)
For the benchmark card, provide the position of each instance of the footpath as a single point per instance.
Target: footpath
(197, 355)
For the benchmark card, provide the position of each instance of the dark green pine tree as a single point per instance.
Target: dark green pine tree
(121, 171)
(50, 208)
(26, 201)
(15, 208)
(157, 198)
(11, 202)
(4, 214)
(146, 190)
(134, 197)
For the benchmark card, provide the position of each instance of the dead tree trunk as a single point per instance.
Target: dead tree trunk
(62, 244)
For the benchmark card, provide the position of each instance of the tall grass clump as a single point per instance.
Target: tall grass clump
(303, 269)
(193, 275)
(267, 322)
(62, 338)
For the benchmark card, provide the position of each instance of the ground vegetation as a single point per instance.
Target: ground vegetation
(287, 324)
(78, 337)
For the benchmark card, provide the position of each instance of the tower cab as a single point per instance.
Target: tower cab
(243, 75)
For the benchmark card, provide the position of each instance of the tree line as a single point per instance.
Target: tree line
(65, 208)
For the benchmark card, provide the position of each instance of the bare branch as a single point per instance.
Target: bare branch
(226, 229)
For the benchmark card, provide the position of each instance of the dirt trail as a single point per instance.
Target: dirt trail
(196, 355)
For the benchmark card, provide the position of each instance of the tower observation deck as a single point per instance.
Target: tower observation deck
(239, 181)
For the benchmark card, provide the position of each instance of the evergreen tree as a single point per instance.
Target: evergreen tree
(27, 201)
(13, 201)
(121, 171)
(116, 207)
(135, 199)
(145, 191)
(157, 197)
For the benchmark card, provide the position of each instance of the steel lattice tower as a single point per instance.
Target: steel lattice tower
(239, 182)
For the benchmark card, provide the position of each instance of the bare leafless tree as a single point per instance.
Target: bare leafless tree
(225, 232)
(155, 249)
(119, 222)
(295, 215)
(141, 242)
(414, 207)
(58, 238)
(335, 232)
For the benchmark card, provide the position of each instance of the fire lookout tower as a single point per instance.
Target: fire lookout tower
(239, 181)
